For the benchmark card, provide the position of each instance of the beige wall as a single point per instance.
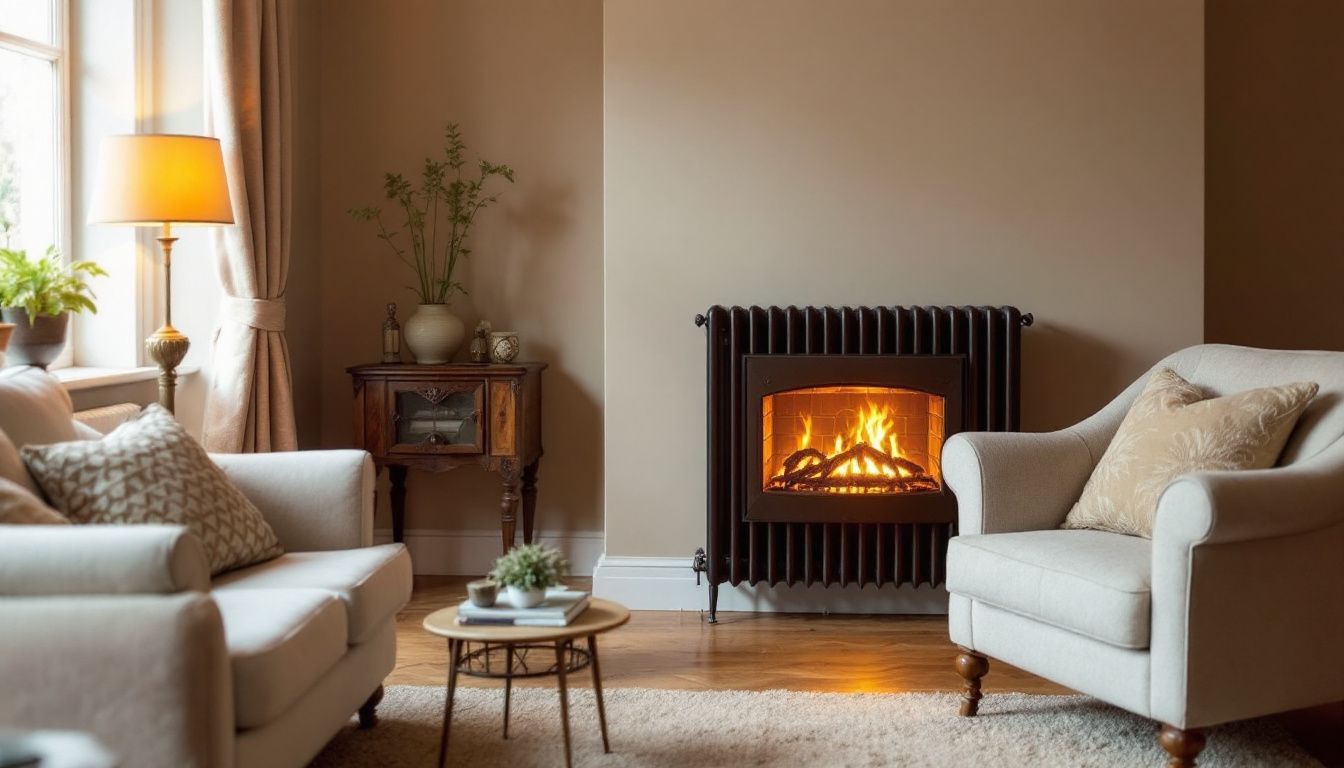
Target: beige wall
(524, 80)
(1044, 154)
(1274, 184)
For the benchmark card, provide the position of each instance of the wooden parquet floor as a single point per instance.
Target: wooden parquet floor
(761, 651)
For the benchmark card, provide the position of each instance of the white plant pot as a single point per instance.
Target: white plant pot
(526, 598)
(434, 334)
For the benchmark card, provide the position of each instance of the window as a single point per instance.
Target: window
(33, 203)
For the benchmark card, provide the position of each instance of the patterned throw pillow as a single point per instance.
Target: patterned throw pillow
(1171, 430)
(149, 470)
(19, 507)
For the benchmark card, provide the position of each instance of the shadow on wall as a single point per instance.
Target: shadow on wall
(1057, 361)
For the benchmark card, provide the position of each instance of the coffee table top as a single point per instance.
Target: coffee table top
(600, 616)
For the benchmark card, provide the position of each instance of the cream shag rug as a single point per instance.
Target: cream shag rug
(783, 728)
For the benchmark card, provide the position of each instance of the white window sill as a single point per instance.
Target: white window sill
(78, 377)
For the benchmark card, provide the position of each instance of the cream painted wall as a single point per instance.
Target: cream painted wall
(524, 78)
(1046, 154)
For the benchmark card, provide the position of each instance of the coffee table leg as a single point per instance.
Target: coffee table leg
(508, 685)
(597, 691)
(560, 663)
(454, 660)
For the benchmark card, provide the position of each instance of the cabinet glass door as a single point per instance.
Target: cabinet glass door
(435, 419)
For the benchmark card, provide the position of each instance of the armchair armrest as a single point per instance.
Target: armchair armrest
(1245, 589)
(315, 500)
(147, 674)
(38, 560)
(1015, 481)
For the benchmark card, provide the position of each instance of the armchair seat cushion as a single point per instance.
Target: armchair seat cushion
(1093, 583)
(373, 582)
(280, 642)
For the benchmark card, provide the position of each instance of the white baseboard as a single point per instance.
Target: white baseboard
(668, 584)
(473, 553)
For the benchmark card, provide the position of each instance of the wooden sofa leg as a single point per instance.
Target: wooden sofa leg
(368, 716)
(971, 666)
(1183, 746)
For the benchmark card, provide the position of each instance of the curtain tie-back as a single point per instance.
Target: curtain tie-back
(262, 314)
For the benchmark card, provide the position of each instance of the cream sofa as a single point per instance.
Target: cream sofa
(1234, 608)
(120, 631)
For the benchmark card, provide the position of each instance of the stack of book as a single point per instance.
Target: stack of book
(557, 610)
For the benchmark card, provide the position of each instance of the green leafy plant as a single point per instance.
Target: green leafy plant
(47, 285)
(530, 566)
(442, 199)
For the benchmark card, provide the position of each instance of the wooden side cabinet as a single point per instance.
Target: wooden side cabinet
(441, 417)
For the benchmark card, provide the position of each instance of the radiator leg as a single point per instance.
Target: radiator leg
(713, 603)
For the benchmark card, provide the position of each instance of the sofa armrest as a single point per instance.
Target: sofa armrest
(315, 500)
(1245, 591)
(1015, 481)
(38, 560)
(148, 675)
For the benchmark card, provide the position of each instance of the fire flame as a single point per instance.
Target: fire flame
(874, 426)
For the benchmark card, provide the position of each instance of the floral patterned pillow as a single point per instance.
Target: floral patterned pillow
(1171, 430)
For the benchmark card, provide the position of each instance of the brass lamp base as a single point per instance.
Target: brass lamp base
(167, 346)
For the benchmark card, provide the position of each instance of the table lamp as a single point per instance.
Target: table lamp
(158, 180)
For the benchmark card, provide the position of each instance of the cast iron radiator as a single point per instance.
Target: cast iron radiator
(738, 550)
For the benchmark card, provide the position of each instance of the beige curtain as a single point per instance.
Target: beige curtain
(249, 407)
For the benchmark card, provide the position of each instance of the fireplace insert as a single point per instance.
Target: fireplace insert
(825, 429)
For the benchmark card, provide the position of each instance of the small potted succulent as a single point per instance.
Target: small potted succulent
(37, 296)
(527, 571)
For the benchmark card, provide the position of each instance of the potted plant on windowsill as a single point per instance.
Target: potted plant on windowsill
(432, 240)
(527, 571)
(37, 296)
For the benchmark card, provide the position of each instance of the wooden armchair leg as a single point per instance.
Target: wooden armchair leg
(1183, 746)
(971, 666)
(368, 716)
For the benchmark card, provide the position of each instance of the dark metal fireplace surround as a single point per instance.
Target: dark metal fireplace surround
(759, 529)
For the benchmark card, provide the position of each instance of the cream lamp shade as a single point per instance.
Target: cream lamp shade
(156, 179)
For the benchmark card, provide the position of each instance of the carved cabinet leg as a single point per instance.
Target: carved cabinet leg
(368, 716)
(971, 666)
(1182, 746)
(508, 502)
(397, 475)
(529, 499)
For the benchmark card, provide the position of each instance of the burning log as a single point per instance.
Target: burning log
(819, 475)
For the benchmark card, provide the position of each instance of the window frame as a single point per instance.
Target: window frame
(58, 54)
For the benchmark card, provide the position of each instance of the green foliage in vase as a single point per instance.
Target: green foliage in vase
(47, 285)
(530, 566)
(439, 213)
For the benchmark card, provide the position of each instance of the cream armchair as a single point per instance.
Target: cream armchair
(1233, 610)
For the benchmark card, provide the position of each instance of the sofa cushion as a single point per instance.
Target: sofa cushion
(374, 582)
(1172, 429)
(281, 642)
(149, 470)
(12, 468)
(34, 408)
(18, 506)
(1094, 583)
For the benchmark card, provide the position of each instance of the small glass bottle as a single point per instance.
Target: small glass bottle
(391, 336)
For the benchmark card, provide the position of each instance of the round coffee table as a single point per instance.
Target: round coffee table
(600, 616)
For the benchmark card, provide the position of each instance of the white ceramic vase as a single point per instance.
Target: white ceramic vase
(433, 334)
(526, 598)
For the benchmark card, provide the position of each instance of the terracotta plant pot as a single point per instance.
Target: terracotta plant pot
(39, 343)
(433, 334)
